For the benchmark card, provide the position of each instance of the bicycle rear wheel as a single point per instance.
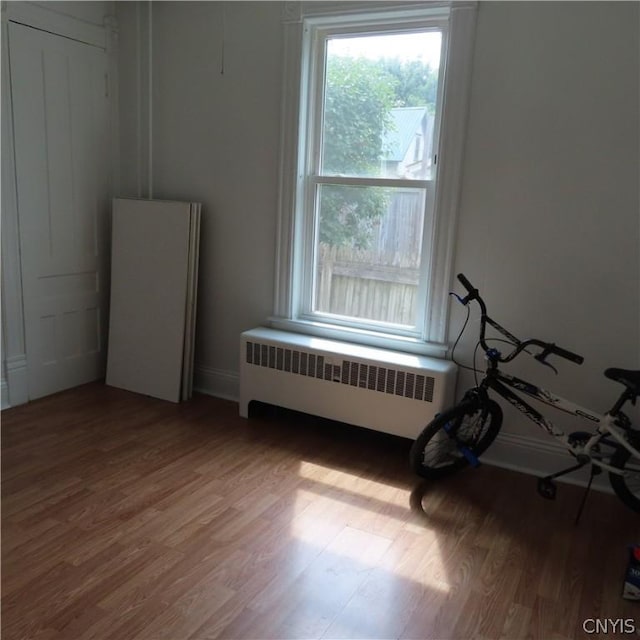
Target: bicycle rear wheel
(627, 486)
(438, 450)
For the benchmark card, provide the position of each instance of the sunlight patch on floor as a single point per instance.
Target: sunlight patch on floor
(353, 483)
(348, 523)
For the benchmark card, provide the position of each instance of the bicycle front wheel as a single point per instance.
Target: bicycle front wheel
(627, 486)
(438, 450)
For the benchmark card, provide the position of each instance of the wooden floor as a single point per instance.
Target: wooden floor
(127, 517)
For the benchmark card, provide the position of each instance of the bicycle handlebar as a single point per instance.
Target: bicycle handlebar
(564, 353)
(548, 348)
(471, 290)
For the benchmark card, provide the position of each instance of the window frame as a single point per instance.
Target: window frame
(304, 23)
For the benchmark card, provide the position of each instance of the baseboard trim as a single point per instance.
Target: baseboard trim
(17, 384)
(537, 457)
(217, 382)
(4, 394)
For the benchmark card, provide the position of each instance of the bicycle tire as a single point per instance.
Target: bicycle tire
(436, 453)
(626, 487)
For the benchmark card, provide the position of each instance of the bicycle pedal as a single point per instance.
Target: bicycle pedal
(547, 488)
(471, 457)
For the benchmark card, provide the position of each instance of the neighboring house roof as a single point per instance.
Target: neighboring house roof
(405, 122)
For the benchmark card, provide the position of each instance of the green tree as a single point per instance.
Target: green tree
(359, 96)
(416, 83)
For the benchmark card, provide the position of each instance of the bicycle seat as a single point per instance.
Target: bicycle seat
(630, 379)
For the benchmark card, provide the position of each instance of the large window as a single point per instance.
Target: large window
(366, 226)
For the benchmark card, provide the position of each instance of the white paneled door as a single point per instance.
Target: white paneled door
(61, 129)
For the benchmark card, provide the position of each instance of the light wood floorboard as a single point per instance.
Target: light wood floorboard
(125, 517)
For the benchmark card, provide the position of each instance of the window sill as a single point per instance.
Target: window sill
(360, 336)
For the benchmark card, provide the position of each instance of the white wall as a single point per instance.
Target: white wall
(549, 226)
(215, 140)
(549, 222)
(88, 11)
(133, 20)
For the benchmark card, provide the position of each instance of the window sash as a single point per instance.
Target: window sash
(357, 181)
(306, 301)
(316, 43)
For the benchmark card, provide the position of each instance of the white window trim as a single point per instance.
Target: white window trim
(461, 18)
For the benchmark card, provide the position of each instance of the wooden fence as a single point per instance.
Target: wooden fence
(380, 283)
(371, 284)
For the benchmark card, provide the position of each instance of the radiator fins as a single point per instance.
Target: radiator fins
(365, 376)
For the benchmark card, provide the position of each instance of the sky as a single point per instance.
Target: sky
(424, 46)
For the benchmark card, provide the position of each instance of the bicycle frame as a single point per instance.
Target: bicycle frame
(500, 383)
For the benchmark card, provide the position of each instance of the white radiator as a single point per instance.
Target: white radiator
(384, 390)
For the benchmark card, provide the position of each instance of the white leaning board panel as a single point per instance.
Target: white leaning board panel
(190, 321)
(149, 291)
